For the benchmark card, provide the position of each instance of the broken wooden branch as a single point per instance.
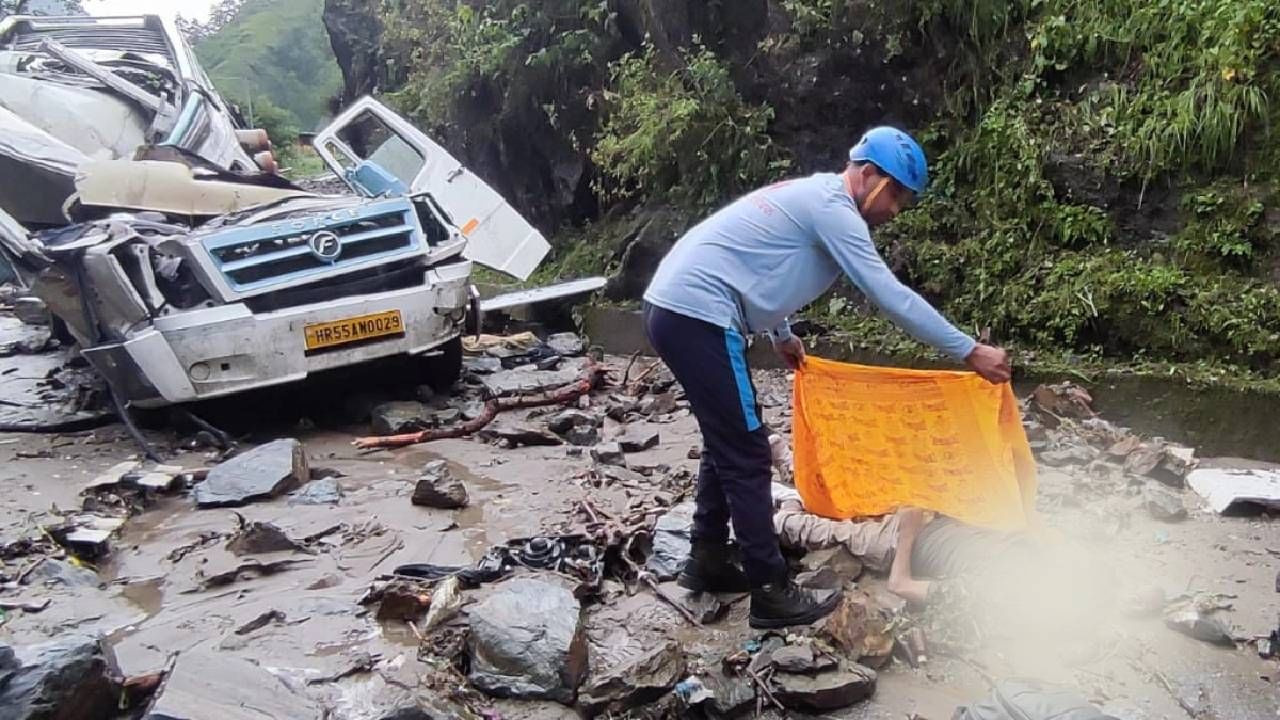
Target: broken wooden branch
(763, 685)
(626, 374)
(591, 373)
(633, 387)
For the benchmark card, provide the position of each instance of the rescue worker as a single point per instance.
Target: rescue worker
(744, 270)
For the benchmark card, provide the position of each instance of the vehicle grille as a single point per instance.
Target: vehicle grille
(275, 254)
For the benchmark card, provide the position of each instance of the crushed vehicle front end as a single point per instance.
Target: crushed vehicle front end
(253, 299)
(185, 280)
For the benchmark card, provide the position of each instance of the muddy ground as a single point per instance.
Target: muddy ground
(151, 605)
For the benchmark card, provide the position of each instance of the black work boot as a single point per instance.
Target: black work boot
(783, 604)
(710, 568)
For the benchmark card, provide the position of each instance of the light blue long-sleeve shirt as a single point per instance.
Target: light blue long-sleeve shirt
(767, 255)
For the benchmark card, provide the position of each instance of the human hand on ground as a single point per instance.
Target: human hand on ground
(791, 350)
(991, 362)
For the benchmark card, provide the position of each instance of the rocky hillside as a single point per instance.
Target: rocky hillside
(1105, 174)
(275, 56)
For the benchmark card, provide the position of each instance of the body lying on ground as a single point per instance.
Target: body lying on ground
(920, 550)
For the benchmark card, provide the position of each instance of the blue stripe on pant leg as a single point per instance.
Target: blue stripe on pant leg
(736, 345)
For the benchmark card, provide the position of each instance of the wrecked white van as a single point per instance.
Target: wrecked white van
(278, 283)
(80, 89)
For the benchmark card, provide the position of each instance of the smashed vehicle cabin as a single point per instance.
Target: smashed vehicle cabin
(80, 89)
(184, 268)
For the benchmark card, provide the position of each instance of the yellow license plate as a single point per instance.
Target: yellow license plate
(350, 330)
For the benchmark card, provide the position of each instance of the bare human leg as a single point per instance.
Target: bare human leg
(901, 583)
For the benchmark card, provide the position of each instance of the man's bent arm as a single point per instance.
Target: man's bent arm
(845, 238)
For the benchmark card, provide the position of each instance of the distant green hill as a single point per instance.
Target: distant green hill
(275, 51)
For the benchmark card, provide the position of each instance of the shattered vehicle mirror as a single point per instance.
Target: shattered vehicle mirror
(371, 139)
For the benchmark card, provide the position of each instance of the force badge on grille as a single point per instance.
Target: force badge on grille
(325, 245)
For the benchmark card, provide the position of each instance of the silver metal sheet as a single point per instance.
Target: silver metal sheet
(542, 294)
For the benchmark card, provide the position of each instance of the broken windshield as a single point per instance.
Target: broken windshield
(372, 140)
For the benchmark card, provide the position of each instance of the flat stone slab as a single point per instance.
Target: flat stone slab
(264, 472)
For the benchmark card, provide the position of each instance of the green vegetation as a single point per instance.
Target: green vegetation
(1105, 173)
(677, 131)
(997, 244)
(682, 135)
(296, 161)
(449, 58)
(277, 54)
(49, 7)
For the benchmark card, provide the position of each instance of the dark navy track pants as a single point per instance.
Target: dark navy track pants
(733, 482)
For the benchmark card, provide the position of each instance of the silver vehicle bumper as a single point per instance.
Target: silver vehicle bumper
(213, 352)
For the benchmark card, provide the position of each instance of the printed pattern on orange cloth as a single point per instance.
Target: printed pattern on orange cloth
(869, 440)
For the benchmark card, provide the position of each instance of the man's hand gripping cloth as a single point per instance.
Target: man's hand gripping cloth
(869, 440)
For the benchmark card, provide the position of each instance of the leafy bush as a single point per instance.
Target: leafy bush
(451, 53)
(1193, 76)
(1062, 123)
(683, 134)
(1166, 92)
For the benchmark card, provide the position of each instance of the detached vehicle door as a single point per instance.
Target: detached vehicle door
(377, 152)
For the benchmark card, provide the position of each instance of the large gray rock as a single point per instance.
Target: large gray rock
(401, 416)
(1163, 504)
(256, 538)
(1199, 623)
(801, 659)
(563, 422)
(609, 454)
(731, 695)
(65, 679)
(658, 405)
(860, 627)
(639, 440)
(324, 491)
(824, 578)
(206, 685)
(53, 572)
(47, 392)
(671, 542)
(446, 417)
(626, 477)
(825, 691)
(619, 407)
(567, 344)
(582, 436)
(705, 607)
(844, 564)
(438, 488)
(425, 709)
(528, 379)
(527, 641)
(636, 682)
(652, 232)
(264, 472)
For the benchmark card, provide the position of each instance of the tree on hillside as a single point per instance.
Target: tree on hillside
(41, 7)
(276, 49)
(280, 124)
(221, 14)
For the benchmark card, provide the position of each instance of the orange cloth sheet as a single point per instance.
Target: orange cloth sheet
(869, 440)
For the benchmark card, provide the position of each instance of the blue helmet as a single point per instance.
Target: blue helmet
(896, 154)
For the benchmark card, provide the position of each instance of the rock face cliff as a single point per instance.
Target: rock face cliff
(355, 32)
(1105, 180)
(823, 96)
